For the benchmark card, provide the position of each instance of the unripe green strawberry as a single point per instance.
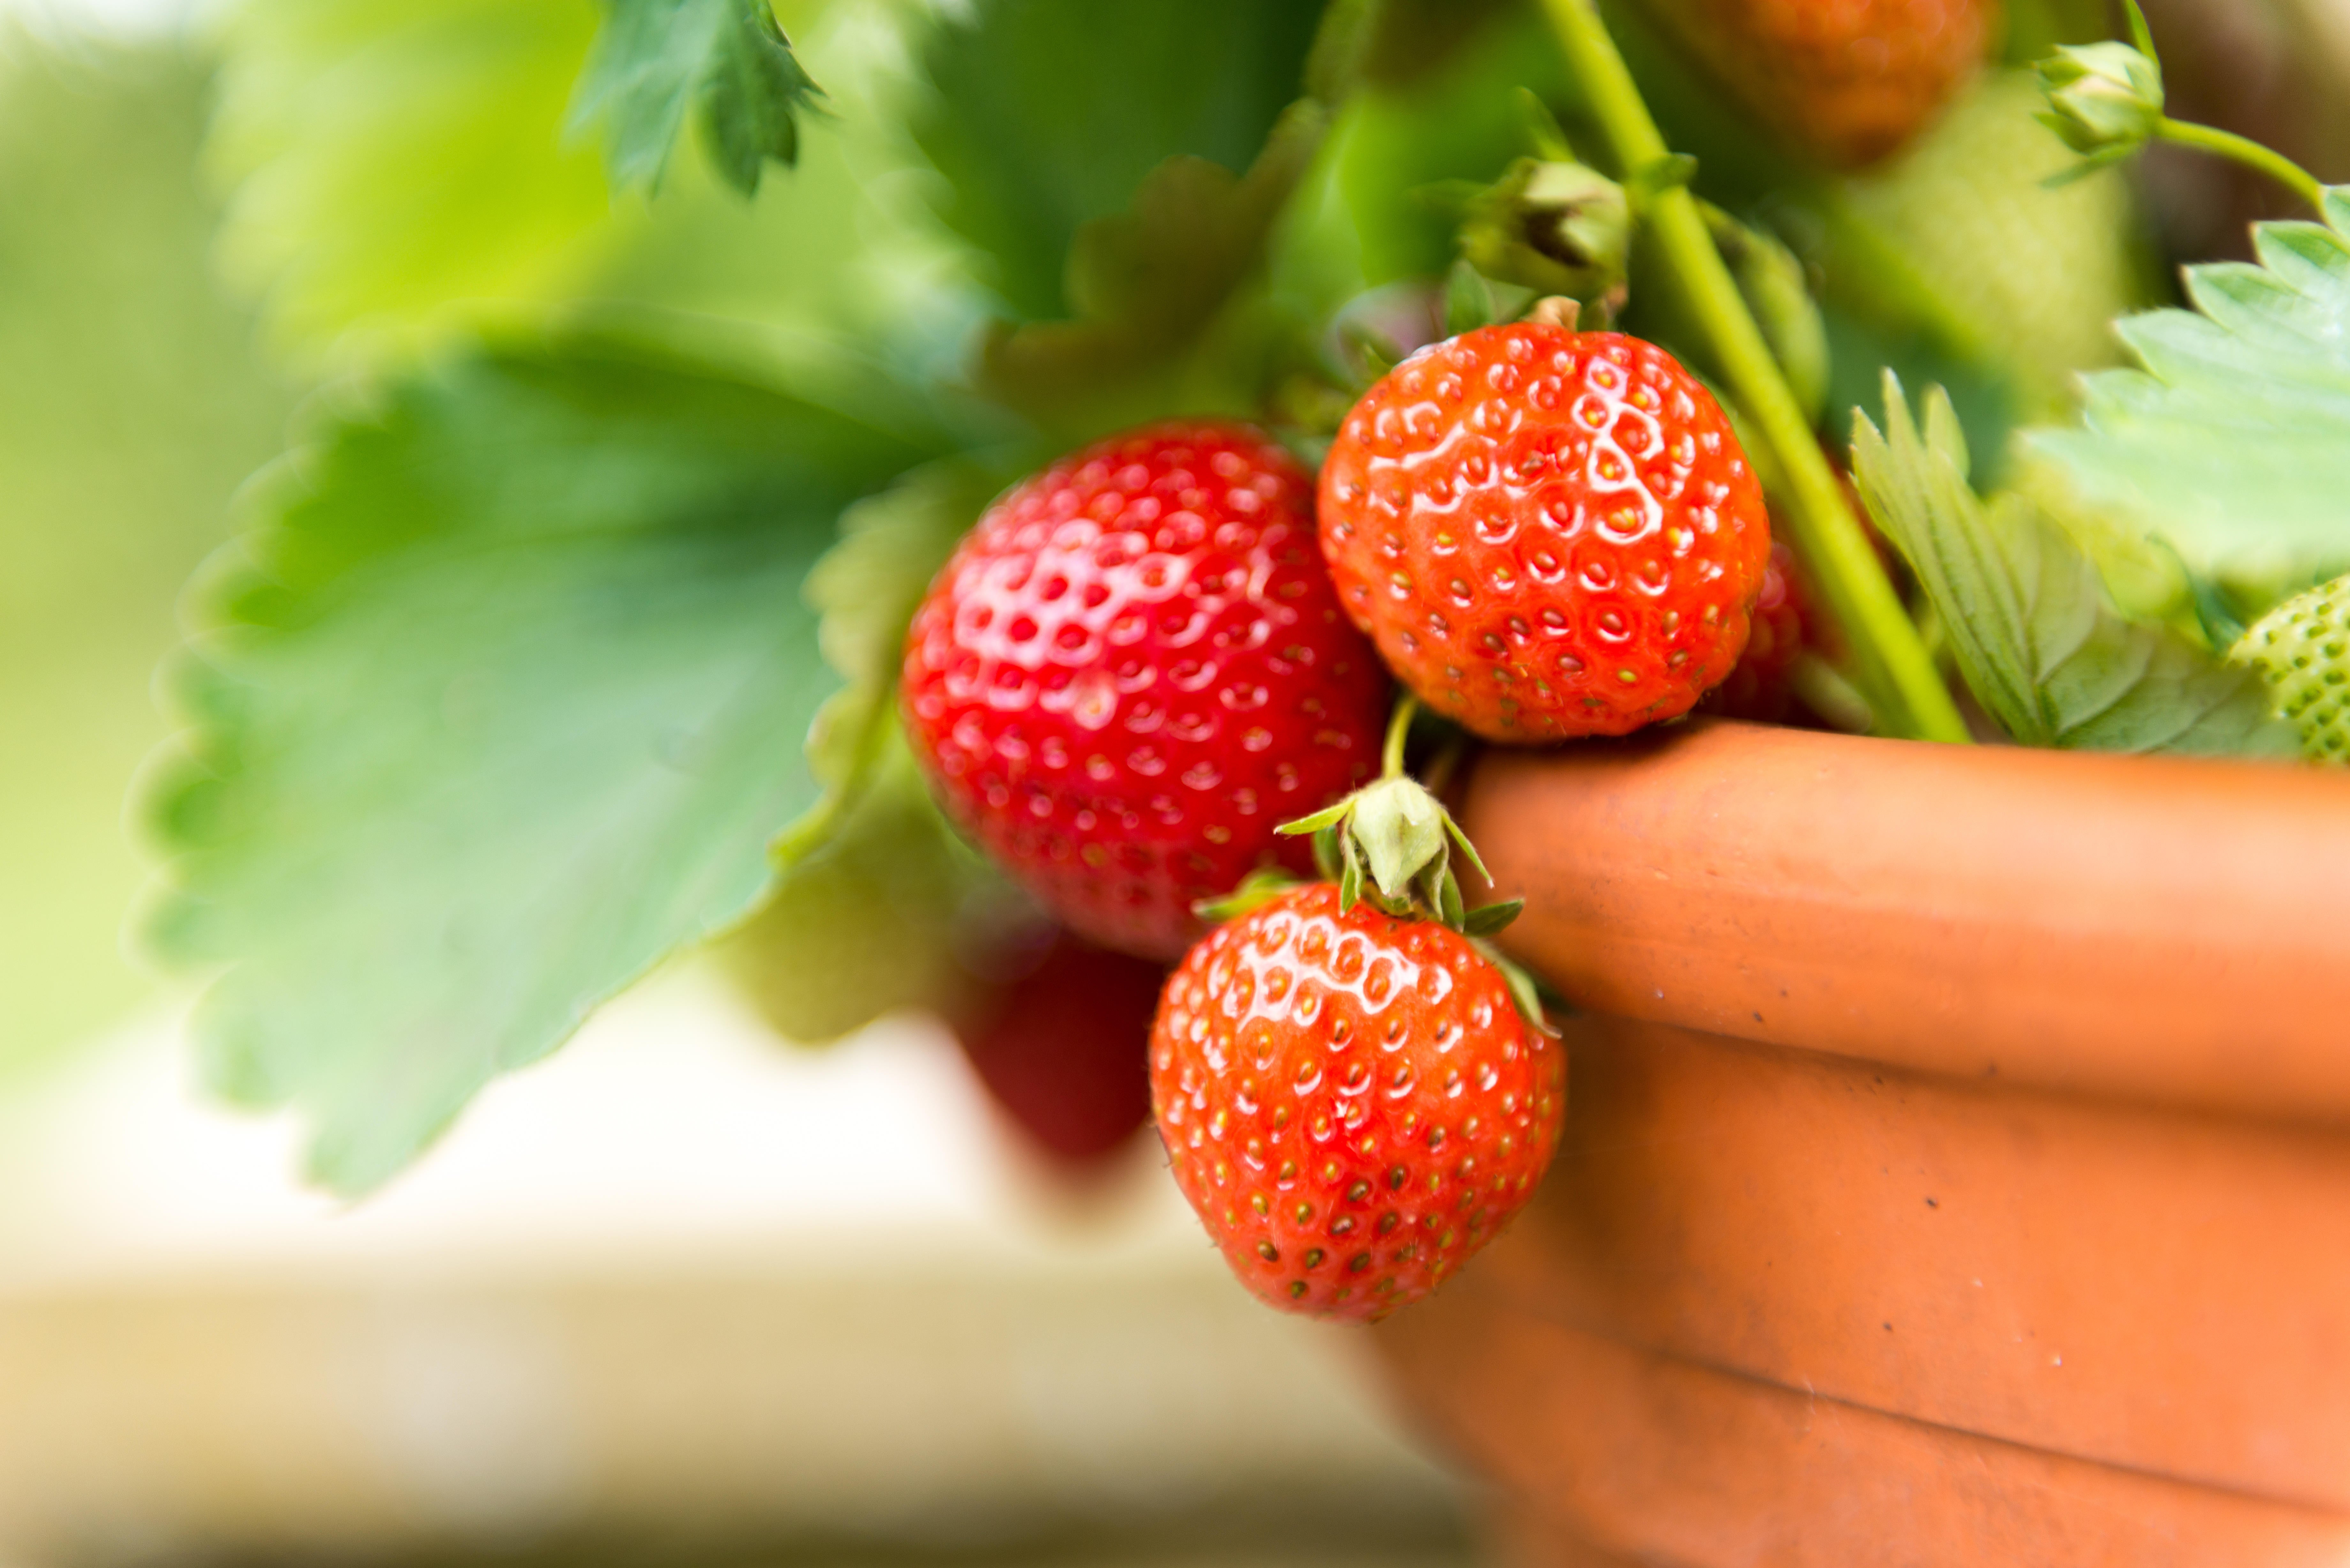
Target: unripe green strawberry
(2302, 650)
(1842, 81)
(1351, 1101)
(1548, 532)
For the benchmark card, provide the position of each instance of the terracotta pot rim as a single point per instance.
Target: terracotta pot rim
(2153, 928)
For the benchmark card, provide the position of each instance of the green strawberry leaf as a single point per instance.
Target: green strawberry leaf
(2039, 646)
(497, 703)
(1146, 284)
(2302, 650)
(2233, 444)
(1047, 114)
(654, 59)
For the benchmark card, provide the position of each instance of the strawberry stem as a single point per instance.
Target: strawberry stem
(1399, 728)
(2243, 149)
(1893, 669)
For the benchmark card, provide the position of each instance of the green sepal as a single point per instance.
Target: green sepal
(1524, 990)
(1326, 853)
(1258, 888)
(1491, 917)
(1468, 850)
(1472, 300)
(1390, 845)
(1544, 132)
(1330, 815)
(1547, 226)
(1448, 901)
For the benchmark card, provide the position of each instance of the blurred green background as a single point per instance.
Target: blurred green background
(132, 403)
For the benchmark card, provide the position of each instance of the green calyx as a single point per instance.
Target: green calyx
(2105, 101)
(1391, 845)
(1552, 227)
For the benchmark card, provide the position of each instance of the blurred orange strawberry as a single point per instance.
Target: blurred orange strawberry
(1844, 82)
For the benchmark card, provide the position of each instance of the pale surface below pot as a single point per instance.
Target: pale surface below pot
(681, 1283)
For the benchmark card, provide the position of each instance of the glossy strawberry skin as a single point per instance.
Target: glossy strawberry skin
(1350, 1102)
(1133, 670)
(1548, 533)
(1844, 82)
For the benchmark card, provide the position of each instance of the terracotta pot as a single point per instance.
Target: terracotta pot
(1958, 1167)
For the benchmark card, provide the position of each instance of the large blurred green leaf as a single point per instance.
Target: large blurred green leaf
(654, 59)
(2232, 445)
(502, 704)
(2034, 637)
(1046, 114)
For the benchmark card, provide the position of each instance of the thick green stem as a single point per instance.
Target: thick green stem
(2245, 150)
(1891, 665)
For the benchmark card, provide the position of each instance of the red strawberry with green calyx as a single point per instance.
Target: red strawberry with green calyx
(1546, 533)
(1133, 669)
(1355, 1094)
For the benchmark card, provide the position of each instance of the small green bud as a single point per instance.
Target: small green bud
(1552, 227)
(1400, 829)
(2102, 97)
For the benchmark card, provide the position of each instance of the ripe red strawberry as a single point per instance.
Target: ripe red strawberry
(1065, 1048)
(1136, 667)
(1758, 687)
(1351, 1101)
(1546, 533)
(1842, 81)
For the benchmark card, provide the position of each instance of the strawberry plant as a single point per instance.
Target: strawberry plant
(830, 478)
